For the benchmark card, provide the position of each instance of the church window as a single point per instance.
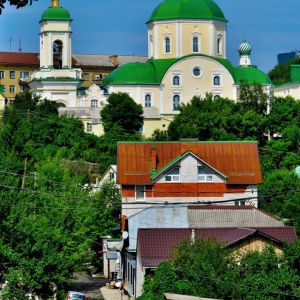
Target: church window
(147, 100)
(57, 54)
(195, 44)
(217, 97)
(204, 175)
(173, 175)
(176, 80)
(89, 127)
(167, 45)
(219, 45)
(176, 101)
(217, 80)
(94, 103)
(197, 72)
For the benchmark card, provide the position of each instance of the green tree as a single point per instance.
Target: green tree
(252, 97)
(122, 111)
(280, 74)
(266, 276)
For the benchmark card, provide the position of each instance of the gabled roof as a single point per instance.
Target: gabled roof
(155, 244)
(19, 58)
(238, 160)
(180, 157)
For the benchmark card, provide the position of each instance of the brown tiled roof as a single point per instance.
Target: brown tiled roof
(237, 160)
(155, 244)
(19, 58)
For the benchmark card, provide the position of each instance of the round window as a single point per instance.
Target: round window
(197, 72)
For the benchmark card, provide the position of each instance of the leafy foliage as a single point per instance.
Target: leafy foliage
(122, 111)
(207, 269)
(280, 74)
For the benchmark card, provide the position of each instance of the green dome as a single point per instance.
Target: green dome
(132, 73)
(56, 14)
(187, 9)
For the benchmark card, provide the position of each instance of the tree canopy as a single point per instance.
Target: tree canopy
(122, 111)
(206, 268)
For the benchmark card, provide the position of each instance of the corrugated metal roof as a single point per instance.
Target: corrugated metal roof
(82, 112)
(170, 216)
(100, 60)
(237, 160)
(155, 244)
(230, 216)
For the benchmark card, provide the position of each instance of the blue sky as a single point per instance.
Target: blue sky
(118, 27)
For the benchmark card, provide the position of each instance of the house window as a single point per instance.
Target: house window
(139, 192)
(24, 74)
(94, 103)
(89, 127)
(240, 203)
(12, 74)
(12, 88)
(86, 76)
(176, 101)
(111, 175)
(173, 175)
(11, 102)
(195, 44)
(176, 80)
(147, 100)
(2, 74)
(204, 175)
(217, 80)
(167, 45)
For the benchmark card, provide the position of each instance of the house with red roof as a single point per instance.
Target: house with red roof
(151, 233)
(152, 173)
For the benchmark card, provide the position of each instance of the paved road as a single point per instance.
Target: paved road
(89, 285)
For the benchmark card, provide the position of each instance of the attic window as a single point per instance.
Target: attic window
(204, 175)
(173, 175)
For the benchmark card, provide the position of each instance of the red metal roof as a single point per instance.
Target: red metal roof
(19, 58)
(155, 244)
(237, 160)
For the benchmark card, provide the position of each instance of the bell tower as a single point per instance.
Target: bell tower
(56, 79)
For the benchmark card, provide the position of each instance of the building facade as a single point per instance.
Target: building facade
(187, 43)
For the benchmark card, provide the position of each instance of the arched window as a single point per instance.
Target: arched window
(217, 80)
(219, 45)
(176, 101)
(57, 54)
(176, 80)
(195, 44)
(147, 100)
(167, 45)
(94, 103)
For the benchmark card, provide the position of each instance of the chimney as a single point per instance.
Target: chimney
(153, 159)
(114, 60)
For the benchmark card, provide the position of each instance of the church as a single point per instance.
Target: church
(186, 58)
